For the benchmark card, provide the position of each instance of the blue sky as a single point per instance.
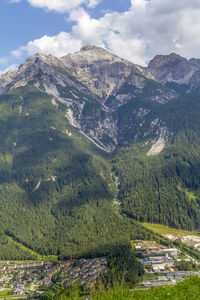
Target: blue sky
(21, 22)
(133, 29)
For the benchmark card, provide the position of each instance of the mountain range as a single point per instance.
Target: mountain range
(90, 145)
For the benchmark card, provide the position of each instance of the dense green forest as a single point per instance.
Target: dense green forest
(56, 189)
(165, 188)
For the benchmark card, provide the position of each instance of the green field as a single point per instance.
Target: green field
(5, 292)
(164, 230)
(26, 249)
(49, 258)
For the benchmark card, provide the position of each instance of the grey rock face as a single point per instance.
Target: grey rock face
(101, 71)
(173, 68)
(106, 97)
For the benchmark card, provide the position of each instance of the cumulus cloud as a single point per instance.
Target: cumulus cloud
(148, 28)
(3, 61)
(57, 45)
(93, 3)
(59, 5)
(9, 68)
(108, 32)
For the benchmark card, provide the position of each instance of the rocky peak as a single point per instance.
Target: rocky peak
(91, 54)
(23, 75)
(172, 67)
(90, 47)
(160, 61)
(195, 62)
(99, 53)
(40, 58)
(41, 70)
(101, 83)
(98, 69)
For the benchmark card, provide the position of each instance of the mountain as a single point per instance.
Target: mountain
(177, 69)
(93, 84)
(81, 131)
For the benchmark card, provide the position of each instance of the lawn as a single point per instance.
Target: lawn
(5, 292)
(164, 230)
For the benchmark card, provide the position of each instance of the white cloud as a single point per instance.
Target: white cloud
(62, 5)
(3, 61)
(93, 3)
(57, 5)
(165, 26)
(57, 45)
(146, 29)
(87, 29)
(9, 68)
(108, 31)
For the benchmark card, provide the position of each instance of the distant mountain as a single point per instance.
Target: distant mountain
(174, 68)
(71, 126)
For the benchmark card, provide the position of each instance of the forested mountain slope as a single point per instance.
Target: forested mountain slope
(56, 189)
(69, 126)
(165, 188)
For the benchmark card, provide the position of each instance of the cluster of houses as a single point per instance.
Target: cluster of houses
(157, 259)
(22, 278)
(160, 264)
(18, 280)
(163, 259)
(168, 278)
(191, 240)
(85, 274)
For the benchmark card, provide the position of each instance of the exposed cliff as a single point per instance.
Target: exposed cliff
(107, 97)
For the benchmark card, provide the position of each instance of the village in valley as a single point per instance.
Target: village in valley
(191, 240)
(164, 265)
(23, 278)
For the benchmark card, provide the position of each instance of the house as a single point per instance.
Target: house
(178, 275)
(158, 268)
(65, 263)
(46, 281)
(138, 247)
(162, 278)
(4, 263)
(195, 245)
(146, 283)
(156, 258)
(53, 270)
(173, 252)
